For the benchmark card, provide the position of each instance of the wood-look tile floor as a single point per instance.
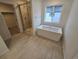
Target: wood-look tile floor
(23, 46)
(14, 30)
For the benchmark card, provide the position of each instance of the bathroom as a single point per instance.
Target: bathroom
(53, 28)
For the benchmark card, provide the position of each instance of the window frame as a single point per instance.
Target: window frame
(51, 23)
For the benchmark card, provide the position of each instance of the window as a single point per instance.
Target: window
(53, 14)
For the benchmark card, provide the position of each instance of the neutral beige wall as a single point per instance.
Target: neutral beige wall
(3, 47)
(7, 1)
(71, 33)
(6, 8)
(36, 13)
(10, 19)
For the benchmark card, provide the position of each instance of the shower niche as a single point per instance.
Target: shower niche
(11, 22)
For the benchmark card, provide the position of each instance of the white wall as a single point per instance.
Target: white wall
(3, 47)
(71, 33)
(67, 4)
(75, 56)
(36, 13)
(46, 3)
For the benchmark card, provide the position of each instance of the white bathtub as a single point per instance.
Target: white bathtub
(53, 33)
